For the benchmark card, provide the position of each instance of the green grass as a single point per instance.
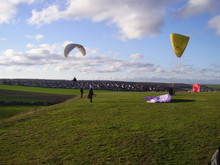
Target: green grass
(9, 99)
(7, 110)
(10, 110)
(117, 128)
(214, 86)
(41, 90)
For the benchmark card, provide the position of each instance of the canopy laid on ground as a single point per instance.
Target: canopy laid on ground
(159, 99)
(179, 43)
(71, 46)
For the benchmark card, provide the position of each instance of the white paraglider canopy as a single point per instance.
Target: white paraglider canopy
(68, 48)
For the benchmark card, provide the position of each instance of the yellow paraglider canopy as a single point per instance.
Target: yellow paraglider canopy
(179, 43)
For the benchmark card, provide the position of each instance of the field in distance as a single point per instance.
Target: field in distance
(15, 99)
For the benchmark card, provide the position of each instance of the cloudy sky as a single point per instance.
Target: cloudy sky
(125, 40)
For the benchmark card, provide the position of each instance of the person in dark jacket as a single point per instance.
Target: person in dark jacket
(74, 79)
(81, 92)
(90, 95)
(171, 90)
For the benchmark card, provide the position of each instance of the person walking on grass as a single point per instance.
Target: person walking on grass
(90, 95)
(81, 92)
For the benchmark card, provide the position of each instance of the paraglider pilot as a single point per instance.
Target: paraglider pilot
(81, 92)
(90, 95)
(171, 90)
(74, 79)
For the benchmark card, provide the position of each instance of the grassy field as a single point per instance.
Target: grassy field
(117, 128)
(16, 99)
(41, 90)
(214, 86)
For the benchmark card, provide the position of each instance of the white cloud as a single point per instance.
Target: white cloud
(39, 37)
(215, 24)
(51, 55)
(30, 45)
(50, 58)
(216, 66)
(196, 7)
(9, 52)
(182, 69)
(14, 68)
(8, 9)
(136, 56)
(39, 55)
(115, 67)
(3, 39)
(138, 67)
(36, 37)
(199, 7)
(133, 18)
(47, 16)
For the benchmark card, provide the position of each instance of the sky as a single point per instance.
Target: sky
(125, 40)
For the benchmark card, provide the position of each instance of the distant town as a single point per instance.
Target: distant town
(102, 85)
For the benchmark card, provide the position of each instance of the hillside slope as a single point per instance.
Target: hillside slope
(117, 128)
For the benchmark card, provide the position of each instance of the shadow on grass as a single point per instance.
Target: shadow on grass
(181, 100)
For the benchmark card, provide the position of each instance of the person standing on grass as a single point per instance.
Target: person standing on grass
(171, 90)
(81, 92)
(90, 95)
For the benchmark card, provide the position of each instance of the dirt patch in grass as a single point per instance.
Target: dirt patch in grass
(43, 98)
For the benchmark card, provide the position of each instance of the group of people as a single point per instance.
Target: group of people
(90, 94)
(171, 91)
